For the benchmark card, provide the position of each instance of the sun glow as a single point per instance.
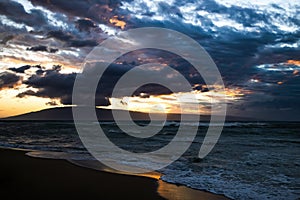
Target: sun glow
(10, 105)
(171, 103)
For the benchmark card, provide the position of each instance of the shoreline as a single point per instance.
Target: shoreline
(21, 173)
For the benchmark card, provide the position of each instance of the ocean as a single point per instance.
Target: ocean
(252, 160)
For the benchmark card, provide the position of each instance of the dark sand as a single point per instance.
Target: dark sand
(24, 177)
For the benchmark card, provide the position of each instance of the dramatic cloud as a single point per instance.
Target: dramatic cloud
(85, 24)
(7, 38)
(250, 41)
(99, 11)
(51, 83)
(56, 85)
(60, 35)
(82, 43)
(68, 39)
(24, 68)
(42, 48)
(20, 69)
(8, 80)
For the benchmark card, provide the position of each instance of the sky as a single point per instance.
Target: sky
(255, 45)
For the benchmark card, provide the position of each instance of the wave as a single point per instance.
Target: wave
(254, 160)
(207, 124)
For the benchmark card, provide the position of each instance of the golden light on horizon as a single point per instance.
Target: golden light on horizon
(10, 105)
(171, 103)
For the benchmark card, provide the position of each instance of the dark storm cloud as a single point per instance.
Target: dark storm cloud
(167, 58)
(96, 10)
(24, 68)
(8, 80)
(52, 84)
(258, 37)
(42, 48)
(60, 35)
(280, 103)
(39, 72)
(74, 7)
(59, 25)
(16, 12)
(151, 89)
(82, 43)
(27, 93)
(85, 24)
(236, 49)
(6, 38)
(56, 85)
(20, 69)
(37, 48)
(70, 40)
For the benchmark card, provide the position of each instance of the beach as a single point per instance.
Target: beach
(26, 177)
(247, 163)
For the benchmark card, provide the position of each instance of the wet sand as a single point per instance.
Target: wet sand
(24, 177)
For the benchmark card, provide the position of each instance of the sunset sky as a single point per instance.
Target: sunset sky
(255, 44)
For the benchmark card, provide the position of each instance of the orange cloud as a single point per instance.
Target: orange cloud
(116, 22)
(293, 62)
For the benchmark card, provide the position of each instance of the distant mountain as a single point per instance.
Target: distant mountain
(65, 114)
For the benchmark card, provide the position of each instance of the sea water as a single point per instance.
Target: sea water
(250, 161)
